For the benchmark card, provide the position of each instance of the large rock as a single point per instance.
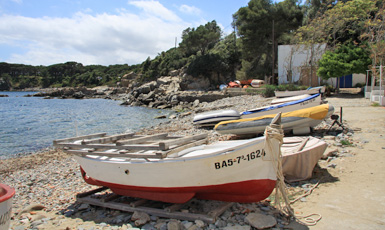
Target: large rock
(260, 221)
(169, 84)
(140, 218)
(147, 87)
(166, 80)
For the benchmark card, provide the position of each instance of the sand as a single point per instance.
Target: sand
(355, 197)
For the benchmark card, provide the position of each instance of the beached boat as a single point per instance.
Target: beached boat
(150, 168)
(257, 83)
(289, 99)
(298, 121)
(6, 194)
(211, 118)
(307, 102)
(311, 90)
(299, 157)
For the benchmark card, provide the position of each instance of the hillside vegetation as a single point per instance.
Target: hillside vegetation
(354, 31)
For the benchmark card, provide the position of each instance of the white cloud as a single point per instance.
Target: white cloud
(92, 39)
(192, 10)
(155, 8)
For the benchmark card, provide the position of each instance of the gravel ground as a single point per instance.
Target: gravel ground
(51, 179)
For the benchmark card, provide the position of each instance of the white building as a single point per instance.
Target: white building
(294, 63)
(294, 66)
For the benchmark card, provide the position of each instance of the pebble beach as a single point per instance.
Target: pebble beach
(47, 182)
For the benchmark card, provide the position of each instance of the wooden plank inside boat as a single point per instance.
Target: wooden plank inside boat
(142, 139)
(165, 145)
(109, 139)
(57, 142)
(130, 145)
(102, 197)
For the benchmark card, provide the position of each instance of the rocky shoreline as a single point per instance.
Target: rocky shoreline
(164, 93)
(46, 184)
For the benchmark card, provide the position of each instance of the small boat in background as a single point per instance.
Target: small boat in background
(289, 99)
(212, 118)
(6, 194)
(298, 121)
(310, 90)
(255, 83)
(299, 157)
(312, 100)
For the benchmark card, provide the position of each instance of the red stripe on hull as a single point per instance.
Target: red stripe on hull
(243, 192)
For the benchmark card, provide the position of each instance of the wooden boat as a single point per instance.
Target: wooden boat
(307, 102)
(299, 157)
(6, 194)
(298, 121)
(311, 90)
(289, 99)
(159, 169)
(211, 118)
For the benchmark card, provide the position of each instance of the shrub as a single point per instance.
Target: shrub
(269, 90)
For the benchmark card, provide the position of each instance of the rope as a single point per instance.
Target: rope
(275, 132)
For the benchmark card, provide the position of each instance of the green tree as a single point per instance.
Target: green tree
(229, 52)
(374, 35)
(342, 23)
(345, 60)
(200, 39)
(254, 24)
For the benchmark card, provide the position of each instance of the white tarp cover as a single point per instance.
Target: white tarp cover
(298, 164)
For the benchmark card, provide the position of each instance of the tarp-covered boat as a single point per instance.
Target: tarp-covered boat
(212, 118)
(145, 167)
(6, 194)
(298, 121)
(299, 156)
(307, 102)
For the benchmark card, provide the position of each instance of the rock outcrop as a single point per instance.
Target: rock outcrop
(178, 91)
(166, 92)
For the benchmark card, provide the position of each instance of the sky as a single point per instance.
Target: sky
(46, 32)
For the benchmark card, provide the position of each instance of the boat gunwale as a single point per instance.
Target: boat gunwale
(224, 151)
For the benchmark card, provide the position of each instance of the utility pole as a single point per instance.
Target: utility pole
(272, 71)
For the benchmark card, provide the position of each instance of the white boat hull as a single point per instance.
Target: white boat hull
(291, 121)
(312, 90)
(229, 171)
(308, 102)
(289, 99)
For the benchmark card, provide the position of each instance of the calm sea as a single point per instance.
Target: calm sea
(28, 124)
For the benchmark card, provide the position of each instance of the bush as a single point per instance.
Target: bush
(290, 87)
(269, 90)
(359, 85)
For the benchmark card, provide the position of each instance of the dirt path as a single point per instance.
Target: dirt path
(356, 197)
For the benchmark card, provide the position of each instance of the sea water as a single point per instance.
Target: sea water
(29, 124)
